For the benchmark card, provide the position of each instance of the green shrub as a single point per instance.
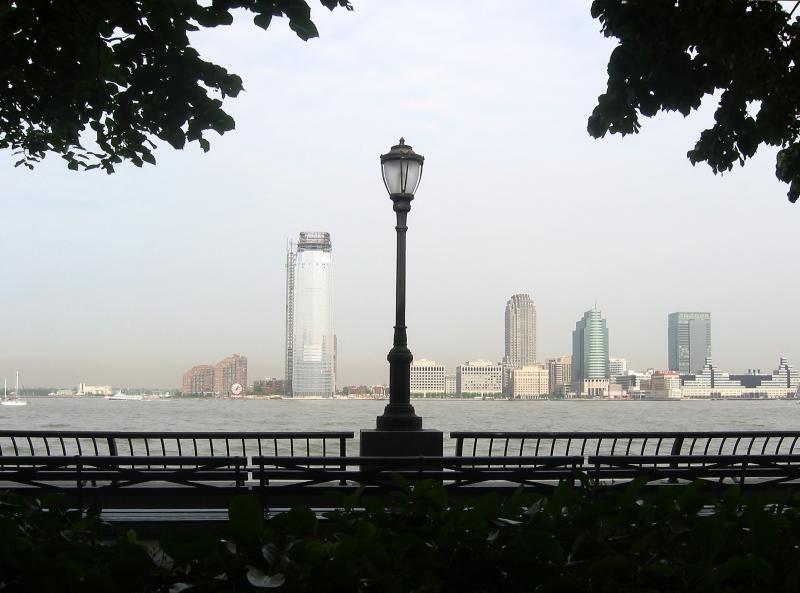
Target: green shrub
(575, 539)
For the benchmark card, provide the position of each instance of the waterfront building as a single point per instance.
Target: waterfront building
(198, 379)
(688, 341)
(312, 347)
(530, 382)
(713, 383)
(291, 260)
(590, 352)
(479, 377)
(230, 370)
(617, 367)
(450, 384)
(594, 388)
(784, 377)
(559, 372)
(633, 381)
(665, 385)
(427, 377)
(84, 389)
(269, 386)
(520, 331)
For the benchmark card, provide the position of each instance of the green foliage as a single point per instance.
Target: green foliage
(123, 70)
(575, 539)
(62, 550)
(671, 54)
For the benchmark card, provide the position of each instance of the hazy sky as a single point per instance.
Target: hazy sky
(131, 279)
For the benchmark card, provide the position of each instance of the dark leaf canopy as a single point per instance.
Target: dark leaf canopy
(673, 53)
(97, 81)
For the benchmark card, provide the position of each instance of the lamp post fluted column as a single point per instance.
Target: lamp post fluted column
(399, 413)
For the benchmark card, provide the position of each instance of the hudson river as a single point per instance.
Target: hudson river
(352, 415)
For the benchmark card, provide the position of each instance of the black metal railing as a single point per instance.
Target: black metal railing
(134, 444)
(626, 443)
(181, 469)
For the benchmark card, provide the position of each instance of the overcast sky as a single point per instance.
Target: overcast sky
(130, 279)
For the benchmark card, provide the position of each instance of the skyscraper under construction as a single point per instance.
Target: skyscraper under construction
(310, 340)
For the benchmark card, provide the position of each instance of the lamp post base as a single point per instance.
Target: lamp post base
(398, 416)
(396, 443)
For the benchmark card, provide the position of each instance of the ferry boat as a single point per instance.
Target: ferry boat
(125, 397)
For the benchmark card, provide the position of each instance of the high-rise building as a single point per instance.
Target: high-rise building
(313, 343)
(198, 379)
(479, 377)
(589, 349)
(427, 376)
(228, 371)
(520, 331)
(688, 341)
(617, 367)
(559, 371)
(291, 258)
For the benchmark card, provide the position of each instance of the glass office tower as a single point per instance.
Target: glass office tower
(590, 348)
(688, 341)
(313, 342)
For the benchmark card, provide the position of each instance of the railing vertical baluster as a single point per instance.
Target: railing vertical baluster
(778, 446)
(14, 443)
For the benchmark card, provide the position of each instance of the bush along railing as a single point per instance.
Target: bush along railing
(574, 539)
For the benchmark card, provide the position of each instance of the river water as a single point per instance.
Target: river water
(353, 415)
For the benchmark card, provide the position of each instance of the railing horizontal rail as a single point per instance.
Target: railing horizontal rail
(180, 443)
(585, 443)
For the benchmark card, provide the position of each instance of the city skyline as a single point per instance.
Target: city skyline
(106, 277)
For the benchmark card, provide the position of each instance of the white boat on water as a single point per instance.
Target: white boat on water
(12, 400)
(125, 397)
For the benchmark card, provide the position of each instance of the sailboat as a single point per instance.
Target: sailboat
(12, 400)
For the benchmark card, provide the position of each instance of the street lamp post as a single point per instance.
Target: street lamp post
(402, 171)
(398, 430)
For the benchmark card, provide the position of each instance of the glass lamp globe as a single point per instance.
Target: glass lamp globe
(402, 169)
